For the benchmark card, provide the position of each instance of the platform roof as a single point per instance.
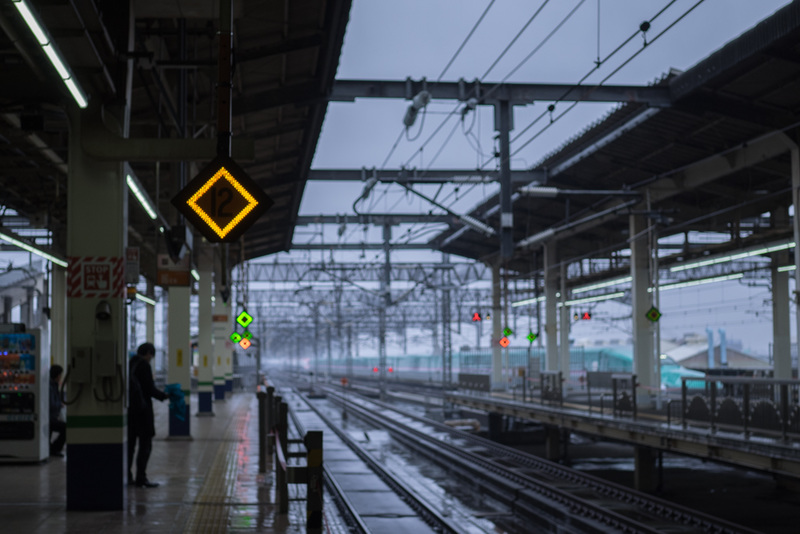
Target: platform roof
(713, 159)
(285, 59)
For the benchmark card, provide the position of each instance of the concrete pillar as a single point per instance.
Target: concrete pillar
(643, 345)
(58, 317)
(97, 228)
(795, 170)
(645, 474)
(497, 330)
(8, 304)
(781, 329)
(150, 315)
(26, 309)
(179, 355)
(205, 338)
(228, 363)
(223, 327)
(550, 306)
(564, 329)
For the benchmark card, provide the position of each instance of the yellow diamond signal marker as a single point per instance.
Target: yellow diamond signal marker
(222, 201)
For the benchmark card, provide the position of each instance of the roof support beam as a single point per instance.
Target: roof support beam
(411, 176)
(378, 219)
(489, 92)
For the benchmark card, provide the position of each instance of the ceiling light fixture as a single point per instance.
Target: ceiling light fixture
(5, 235)
(51, 51)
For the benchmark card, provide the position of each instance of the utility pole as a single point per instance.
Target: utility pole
(386, 300)
(447, 349)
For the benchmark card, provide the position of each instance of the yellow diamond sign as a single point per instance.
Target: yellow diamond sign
(222, 201)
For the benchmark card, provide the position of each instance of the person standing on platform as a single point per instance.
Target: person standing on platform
(56, 404)
(141, 422)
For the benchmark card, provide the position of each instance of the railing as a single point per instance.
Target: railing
(751, 405)
(273, 415)
(475, 382)
(551, 390)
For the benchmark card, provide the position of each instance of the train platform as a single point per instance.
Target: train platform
(209, 483)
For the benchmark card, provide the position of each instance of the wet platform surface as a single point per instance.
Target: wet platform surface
(207, 484)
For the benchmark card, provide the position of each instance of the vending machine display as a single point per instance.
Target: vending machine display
(24, 418)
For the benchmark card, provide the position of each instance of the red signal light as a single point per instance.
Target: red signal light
(391, 369)
(476, 316)
(586, 316)
(374, 369)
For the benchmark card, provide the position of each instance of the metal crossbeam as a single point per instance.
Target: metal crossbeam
(413, 176)
(490, 92)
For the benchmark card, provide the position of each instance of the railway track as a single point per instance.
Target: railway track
(427, 513)
(531, 485)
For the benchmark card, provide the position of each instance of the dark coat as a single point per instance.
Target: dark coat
(140, 415)
(55, 401)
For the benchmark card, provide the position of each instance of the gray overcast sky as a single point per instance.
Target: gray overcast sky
(392, 40)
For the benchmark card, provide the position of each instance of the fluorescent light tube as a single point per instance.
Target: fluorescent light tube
(33, 250)
(41, 35)
(30, 20)
(691, 283)
(52, 55)
(598, 298)
(76, 93)
(732, 257)
(146, 300)
(599, 285)
(140, 195)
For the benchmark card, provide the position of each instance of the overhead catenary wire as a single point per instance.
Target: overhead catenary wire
(466, 39)
(605, 79)
(519, 65)
(501, 55)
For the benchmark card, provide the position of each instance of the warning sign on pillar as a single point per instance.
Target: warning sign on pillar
(95, 277)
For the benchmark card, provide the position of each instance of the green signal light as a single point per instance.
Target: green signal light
(507, 331)
(532, 337)
(235, 337)
(247, 334)
(244, 319)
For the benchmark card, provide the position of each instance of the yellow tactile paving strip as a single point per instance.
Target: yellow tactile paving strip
(211, 509)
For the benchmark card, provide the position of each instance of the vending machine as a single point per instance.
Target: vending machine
(24, 398)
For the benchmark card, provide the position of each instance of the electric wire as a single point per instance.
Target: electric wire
(494, 88)
(605, 79)
(598, 64)
(514, 40)
(466, 39)
(519, 65)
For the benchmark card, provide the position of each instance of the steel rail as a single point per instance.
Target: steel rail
(660, 508)
(426, 513)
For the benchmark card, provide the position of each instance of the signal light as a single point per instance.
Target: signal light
(244, 319)
(374, 369)
(391, 369)
(245, 343)
(575, 316)
(586, 316)
(476, 316)
(487, 316)
(504, 342)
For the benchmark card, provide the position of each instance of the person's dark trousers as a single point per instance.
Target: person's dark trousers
(59, 427)
(142, 457)
(131, 449)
